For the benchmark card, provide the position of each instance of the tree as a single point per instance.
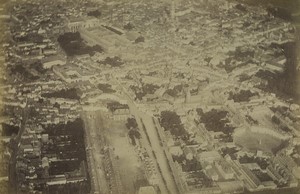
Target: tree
(73, 44)
(216, 120)
(199, 111)
(134, 134)
(128, 26)
(131, 123)
(95, 13)
(106, 88)
(170, 121)
(242, 96)
(140, 39)
(112, 61)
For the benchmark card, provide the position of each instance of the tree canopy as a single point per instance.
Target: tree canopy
(170, 121)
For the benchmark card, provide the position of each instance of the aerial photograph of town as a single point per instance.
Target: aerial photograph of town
(150, 97)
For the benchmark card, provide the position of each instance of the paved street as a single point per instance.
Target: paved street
(153, 147)
(159, 152)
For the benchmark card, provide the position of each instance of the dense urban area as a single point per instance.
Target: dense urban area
(149, 97)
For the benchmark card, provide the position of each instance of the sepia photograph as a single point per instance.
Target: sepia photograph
(149, 96)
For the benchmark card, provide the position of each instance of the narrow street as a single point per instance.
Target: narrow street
(92, 129)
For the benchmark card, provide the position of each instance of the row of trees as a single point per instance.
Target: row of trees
(113, 106)
(64, 93)
(133, 132)
(112, 61)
